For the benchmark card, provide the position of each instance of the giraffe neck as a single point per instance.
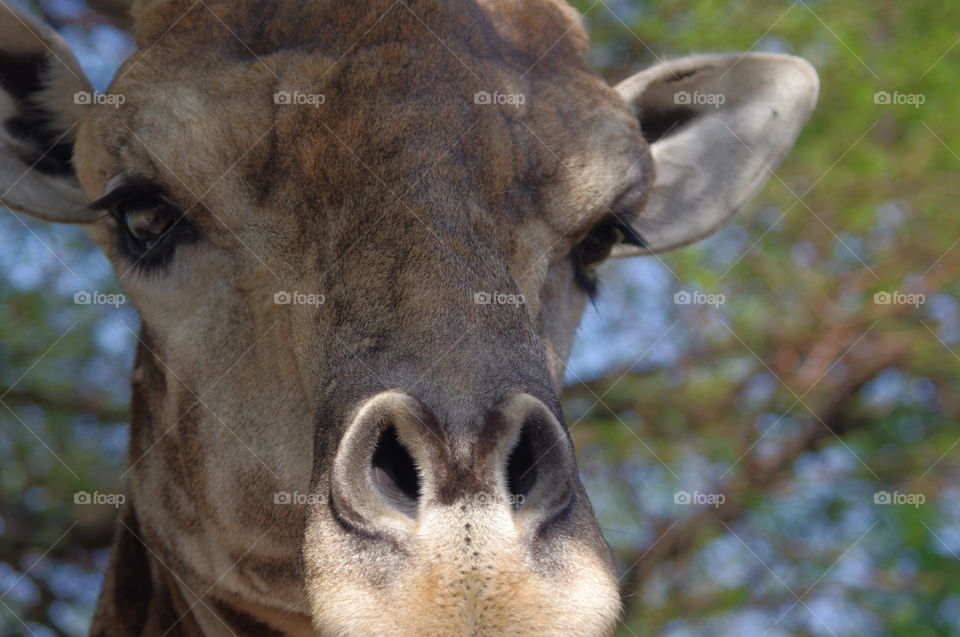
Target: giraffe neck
(141, 597)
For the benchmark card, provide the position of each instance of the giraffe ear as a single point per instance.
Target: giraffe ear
(42, 96)
(718, 125)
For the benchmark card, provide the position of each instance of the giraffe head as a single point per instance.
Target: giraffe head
(360, 236)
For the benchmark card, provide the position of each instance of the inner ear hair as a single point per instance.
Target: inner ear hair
(43, 147)
(43, 97)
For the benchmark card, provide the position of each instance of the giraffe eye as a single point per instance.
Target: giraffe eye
(596, 248)
(148, 226)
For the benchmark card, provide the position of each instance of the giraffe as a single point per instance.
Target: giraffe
(360, 236)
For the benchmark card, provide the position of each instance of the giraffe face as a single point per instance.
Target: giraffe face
(360, 249)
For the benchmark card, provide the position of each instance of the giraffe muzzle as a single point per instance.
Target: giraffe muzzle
(396, 462)
(439, 528)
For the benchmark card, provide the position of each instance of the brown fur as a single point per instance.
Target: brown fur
(398, 199)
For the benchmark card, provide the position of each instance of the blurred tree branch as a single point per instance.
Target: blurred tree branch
(23, 530)
(833, 416)
(22, 543)
(93, 405)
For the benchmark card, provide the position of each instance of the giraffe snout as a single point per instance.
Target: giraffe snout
(475, 529)
(397, 461)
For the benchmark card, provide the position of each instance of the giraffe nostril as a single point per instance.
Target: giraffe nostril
(521, 469)
(397, 470)
(395, 474)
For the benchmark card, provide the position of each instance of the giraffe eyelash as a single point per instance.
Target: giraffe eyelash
(147, 226)
(596, 247)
